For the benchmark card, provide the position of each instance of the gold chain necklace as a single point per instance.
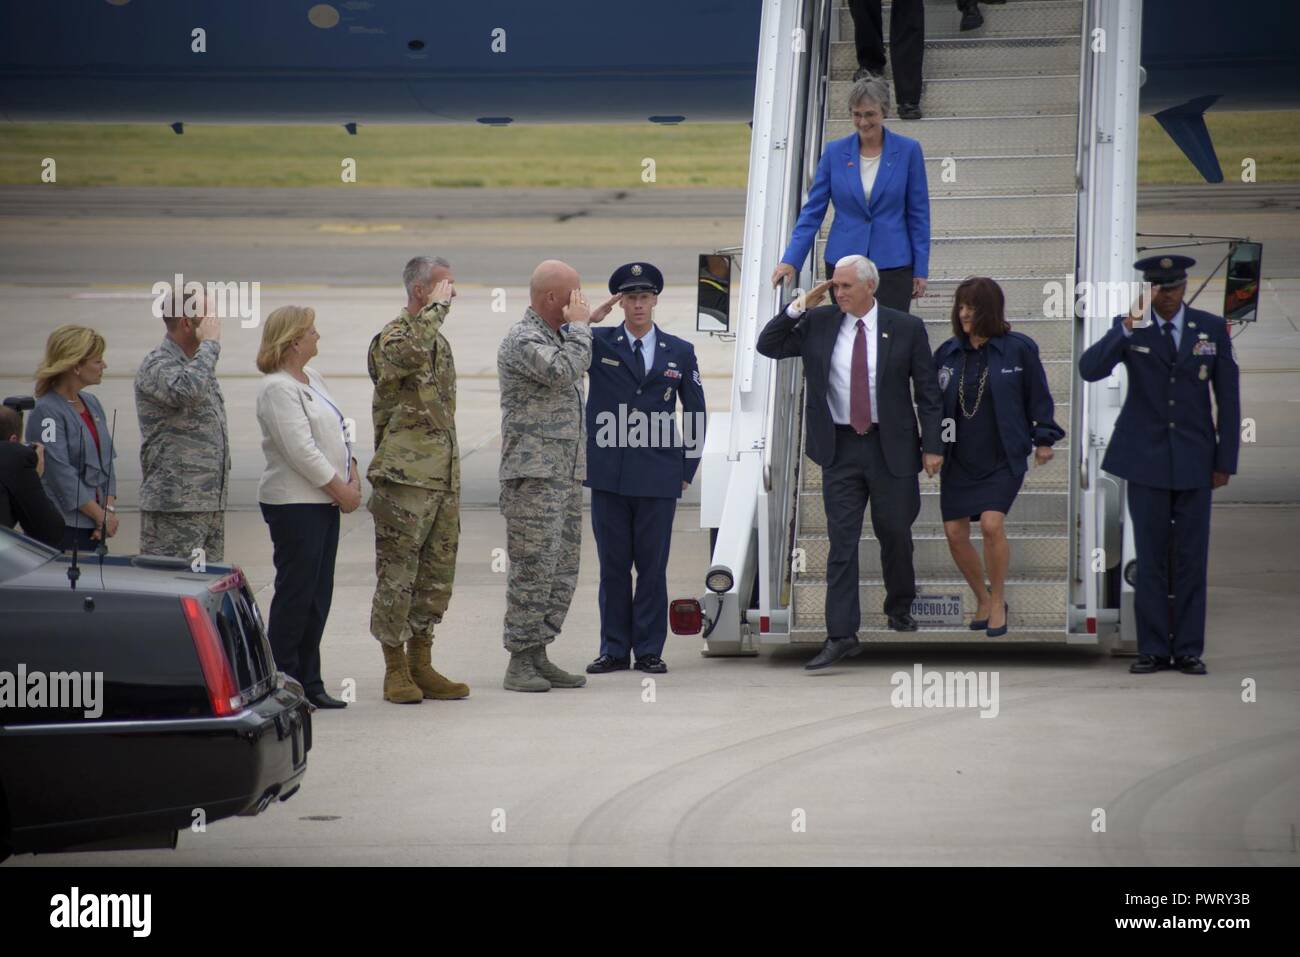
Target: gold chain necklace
(961, 387)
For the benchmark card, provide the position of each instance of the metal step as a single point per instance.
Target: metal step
(997, 177)
(988, 96)
(1033, 606)
(954, 217)
(976, 136)
(1026, 299)
(1032, 558)
(1051, 477)
(1042, 257)
(1055, 339)
(1023, 18)
(1033, 513)
(978, 56)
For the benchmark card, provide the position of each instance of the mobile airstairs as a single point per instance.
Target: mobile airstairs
(1030, 137)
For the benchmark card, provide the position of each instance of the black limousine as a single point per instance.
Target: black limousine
(141, 701)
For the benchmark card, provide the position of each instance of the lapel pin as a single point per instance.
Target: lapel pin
(884, 335)
(1191, 325)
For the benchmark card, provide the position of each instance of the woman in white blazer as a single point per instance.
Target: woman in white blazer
(310, 477)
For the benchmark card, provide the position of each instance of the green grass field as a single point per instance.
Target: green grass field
(524, 156)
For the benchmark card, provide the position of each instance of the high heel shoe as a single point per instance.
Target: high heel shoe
(979, 624)
(999, 632)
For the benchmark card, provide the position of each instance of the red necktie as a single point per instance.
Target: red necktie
(859, 387)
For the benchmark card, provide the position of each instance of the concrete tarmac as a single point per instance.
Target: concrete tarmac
(721, 760)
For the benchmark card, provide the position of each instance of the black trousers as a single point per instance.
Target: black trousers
(906, 43)
(894, 289)
(858, 477)
(304, 539)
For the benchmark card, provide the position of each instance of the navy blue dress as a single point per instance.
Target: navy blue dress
(976, 475)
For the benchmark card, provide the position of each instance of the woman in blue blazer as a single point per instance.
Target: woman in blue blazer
(876, 178)
(995, 391)
(78, 438)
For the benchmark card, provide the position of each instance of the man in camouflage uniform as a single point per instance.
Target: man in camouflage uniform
(184, 445)
(543, 463)
(416, 478)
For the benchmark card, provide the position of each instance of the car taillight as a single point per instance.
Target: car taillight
(685, 616)
(217, 675)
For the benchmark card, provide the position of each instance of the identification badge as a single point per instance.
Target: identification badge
(609, 362)
(672, 374)
(1205, 372)
(1200, 348)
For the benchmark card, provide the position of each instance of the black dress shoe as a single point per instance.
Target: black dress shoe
(651, 663)
(322, 700)
(1002, 629)
(909, 111)
(833, 650)
(1190, 665)
(607, 663)
(903, 622)
(971, 18)
(1147, 664)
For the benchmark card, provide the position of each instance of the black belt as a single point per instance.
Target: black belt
(852, 431)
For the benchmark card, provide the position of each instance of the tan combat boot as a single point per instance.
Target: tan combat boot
(522, 675)
(398, 686)
(419, 651)
(558, 677)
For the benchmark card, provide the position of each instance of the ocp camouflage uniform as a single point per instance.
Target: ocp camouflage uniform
(543, 463)
(184, 452)
(415, 474)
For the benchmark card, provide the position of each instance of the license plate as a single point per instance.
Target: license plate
(937, 611)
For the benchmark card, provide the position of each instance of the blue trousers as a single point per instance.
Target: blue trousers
(632, 532)
(1171, 529)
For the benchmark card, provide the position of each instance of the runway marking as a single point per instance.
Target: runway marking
(353, 228)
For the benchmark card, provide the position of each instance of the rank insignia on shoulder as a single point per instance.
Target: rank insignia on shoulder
(610, 362)
(696, 376)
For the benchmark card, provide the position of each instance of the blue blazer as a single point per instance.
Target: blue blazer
(650, 462)
(1017, 383)
(893, 230)
(74, 470)
(1165, 435)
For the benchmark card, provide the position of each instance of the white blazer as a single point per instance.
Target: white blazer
(303, 439)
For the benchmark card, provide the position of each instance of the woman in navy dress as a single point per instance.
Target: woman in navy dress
(995, 392)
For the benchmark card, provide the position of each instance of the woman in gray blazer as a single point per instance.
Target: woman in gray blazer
(79, 475)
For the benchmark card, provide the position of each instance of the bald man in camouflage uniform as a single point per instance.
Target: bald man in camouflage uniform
(184, 444)
(543, 462)
(416, 478)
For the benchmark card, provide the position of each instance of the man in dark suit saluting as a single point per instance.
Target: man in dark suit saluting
(863, 362)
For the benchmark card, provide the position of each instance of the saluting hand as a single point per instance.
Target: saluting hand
(209, 328)
(603, 309)
(815, 295)
(577, 310)
(443, 292)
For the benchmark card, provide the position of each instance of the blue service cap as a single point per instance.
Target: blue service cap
(636, 277)
(1164, 270)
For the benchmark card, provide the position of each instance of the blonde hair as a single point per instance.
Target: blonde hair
(280, 329)
(65, 349)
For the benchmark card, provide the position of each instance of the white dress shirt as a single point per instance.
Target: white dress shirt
(648, 342)
(1159, 324)
(869, 167)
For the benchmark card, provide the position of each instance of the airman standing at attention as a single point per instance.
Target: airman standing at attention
(416, 479)
(541, 363)
(1167, 447)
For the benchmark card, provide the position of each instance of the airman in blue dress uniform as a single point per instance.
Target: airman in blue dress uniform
(638, 465)
(1166, 445)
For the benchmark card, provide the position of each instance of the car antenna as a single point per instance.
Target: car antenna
(74, 571)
